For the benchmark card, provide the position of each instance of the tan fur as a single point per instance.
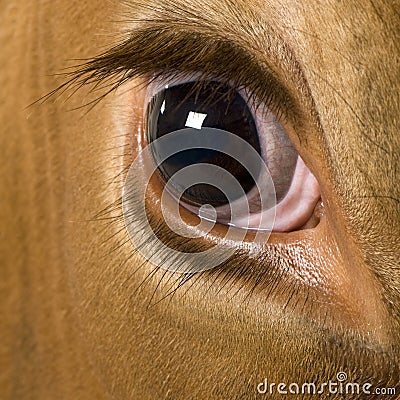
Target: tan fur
(74, 323)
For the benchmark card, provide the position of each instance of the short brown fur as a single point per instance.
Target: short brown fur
(76, 325)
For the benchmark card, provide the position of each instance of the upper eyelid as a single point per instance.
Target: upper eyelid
(150, 53)
(241, 72)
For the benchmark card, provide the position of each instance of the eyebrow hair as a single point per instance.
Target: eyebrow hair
(155, 49)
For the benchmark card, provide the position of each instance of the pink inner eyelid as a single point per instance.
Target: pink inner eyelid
(297, 206)
(290, 214)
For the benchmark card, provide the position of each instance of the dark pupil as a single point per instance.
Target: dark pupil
(222, 108)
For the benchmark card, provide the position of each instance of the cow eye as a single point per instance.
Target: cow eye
(236, 155)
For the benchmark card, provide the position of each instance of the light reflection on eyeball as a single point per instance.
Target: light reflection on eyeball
(201, 106)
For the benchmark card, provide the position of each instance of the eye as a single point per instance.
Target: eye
(221, 119)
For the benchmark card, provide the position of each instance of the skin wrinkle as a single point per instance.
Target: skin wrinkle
(222, 332)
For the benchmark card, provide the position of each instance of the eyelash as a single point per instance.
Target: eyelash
(237, 272)
(110, 70)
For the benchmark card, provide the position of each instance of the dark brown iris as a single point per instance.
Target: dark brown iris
(222, 108)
